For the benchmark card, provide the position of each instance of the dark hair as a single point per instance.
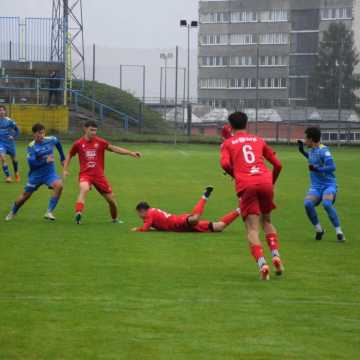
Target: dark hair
(313, 133)
(238, 120)
(37, 127)
(3, 107)
(142, 206)
(90, 123)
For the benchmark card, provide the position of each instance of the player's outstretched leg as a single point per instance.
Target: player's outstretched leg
(18, 204)
(80, 203)
(5, 168)
(16, 168)
(273, 243)
(200, 207)
(252, 223)
(110, 198)
(226, 220)
(327, 202)
(310, 203)
(58, 187)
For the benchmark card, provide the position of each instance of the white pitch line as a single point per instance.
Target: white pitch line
(184, 153)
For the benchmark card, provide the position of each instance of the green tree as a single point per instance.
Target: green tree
(335, 68)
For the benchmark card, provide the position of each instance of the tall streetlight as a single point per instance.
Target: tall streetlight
(166, 57)
(188, 25)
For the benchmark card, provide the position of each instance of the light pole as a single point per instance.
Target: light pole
(166, 57)
(188, 25)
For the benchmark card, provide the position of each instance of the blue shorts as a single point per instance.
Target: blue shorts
(35, 181)
(7, 149)
(320, 192)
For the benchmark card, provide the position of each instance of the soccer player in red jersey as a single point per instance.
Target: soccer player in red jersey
(91, 152)
(242, 157)
(156, 219)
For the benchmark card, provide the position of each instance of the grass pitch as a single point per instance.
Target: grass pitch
(98, 291)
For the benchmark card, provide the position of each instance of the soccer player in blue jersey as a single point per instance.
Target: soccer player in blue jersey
(323, 182)
(40, 156)
(8, 133)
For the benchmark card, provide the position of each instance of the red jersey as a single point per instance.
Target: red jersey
(91, 155)
(243, 155)
(161, 220)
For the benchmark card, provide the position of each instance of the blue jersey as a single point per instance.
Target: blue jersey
(8, 131)
(38, 153)
(324, 175)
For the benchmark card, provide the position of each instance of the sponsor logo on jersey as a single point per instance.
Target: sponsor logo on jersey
(242, 140)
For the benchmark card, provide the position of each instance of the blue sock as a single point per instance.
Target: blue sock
(15, 208)
(311, 212)
(328, 206)
(16, 166)
(6, 170)
(52, 203)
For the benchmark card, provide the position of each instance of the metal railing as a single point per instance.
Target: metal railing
(28, 90)
(101, 109)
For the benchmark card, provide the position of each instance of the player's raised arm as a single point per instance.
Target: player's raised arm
(225, 160)
(123, 151)
(270, 155)
(301, 149)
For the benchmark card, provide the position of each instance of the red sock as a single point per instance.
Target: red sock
(199, 208)
(257, 252)
(79, 207)
(272, 240)
(229, 218)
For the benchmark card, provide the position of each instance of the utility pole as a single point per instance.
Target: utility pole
(340, 70)
(257, 84)
(93, 77)
(176, 91)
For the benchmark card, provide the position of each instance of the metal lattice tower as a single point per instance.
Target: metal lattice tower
(67, 37)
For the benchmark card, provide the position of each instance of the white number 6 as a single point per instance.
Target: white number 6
(249, 155)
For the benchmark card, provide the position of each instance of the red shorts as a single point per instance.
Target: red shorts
(100, 183)
(257, 199)
(180, 223)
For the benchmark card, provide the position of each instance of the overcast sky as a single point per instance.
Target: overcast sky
(122, 23)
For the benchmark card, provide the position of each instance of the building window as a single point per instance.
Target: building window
(336, 13)
(274, 38)
(213, 83)
(214, 18)
(214, 61)
(275, 15)
(275, 60)
(245, 83)
(214, 39)
(242, 61)
(242, 39)
(243, 17)
(273, 83)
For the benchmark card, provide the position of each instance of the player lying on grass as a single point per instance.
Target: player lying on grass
(40, 156)
(8, 133)
(242, 157)
(156, 219)
(323, 182)
(91, 152)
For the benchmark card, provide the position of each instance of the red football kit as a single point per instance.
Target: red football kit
(92, 160)
(242, 157)
(161, 220)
